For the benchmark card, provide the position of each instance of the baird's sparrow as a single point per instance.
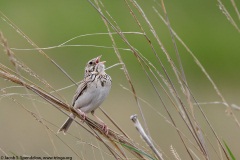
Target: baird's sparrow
(91, 92)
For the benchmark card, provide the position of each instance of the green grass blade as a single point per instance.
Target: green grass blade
(229, 151)
(138, 151)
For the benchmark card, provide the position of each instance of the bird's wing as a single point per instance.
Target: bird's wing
(82, 87)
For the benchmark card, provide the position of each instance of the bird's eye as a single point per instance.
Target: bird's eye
(91, 63)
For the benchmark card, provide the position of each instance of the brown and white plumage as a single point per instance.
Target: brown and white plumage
(91, 92)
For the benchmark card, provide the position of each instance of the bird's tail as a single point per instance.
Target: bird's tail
(66, 124)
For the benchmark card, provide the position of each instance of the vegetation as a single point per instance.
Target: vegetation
(155, 73)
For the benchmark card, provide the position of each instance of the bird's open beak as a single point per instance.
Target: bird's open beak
(98, 59)
(103, 62)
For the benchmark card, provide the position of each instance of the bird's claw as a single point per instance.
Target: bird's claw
(82, 114)
(105, 128)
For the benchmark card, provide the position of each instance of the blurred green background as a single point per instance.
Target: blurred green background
(200, 24)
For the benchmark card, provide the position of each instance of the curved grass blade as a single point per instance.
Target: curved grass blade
(229, 151)
(137, 150)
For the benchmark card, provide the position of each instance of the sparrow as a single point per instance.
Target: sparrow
(91, 92)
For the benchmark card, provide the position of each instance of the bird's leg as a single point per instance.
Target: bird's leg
(82, 114)
(104, 126)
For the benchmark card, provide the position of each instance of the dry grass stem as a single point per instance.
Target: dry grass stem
(141, 131)
(165, 76)
(174, 152)
(227, 14)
